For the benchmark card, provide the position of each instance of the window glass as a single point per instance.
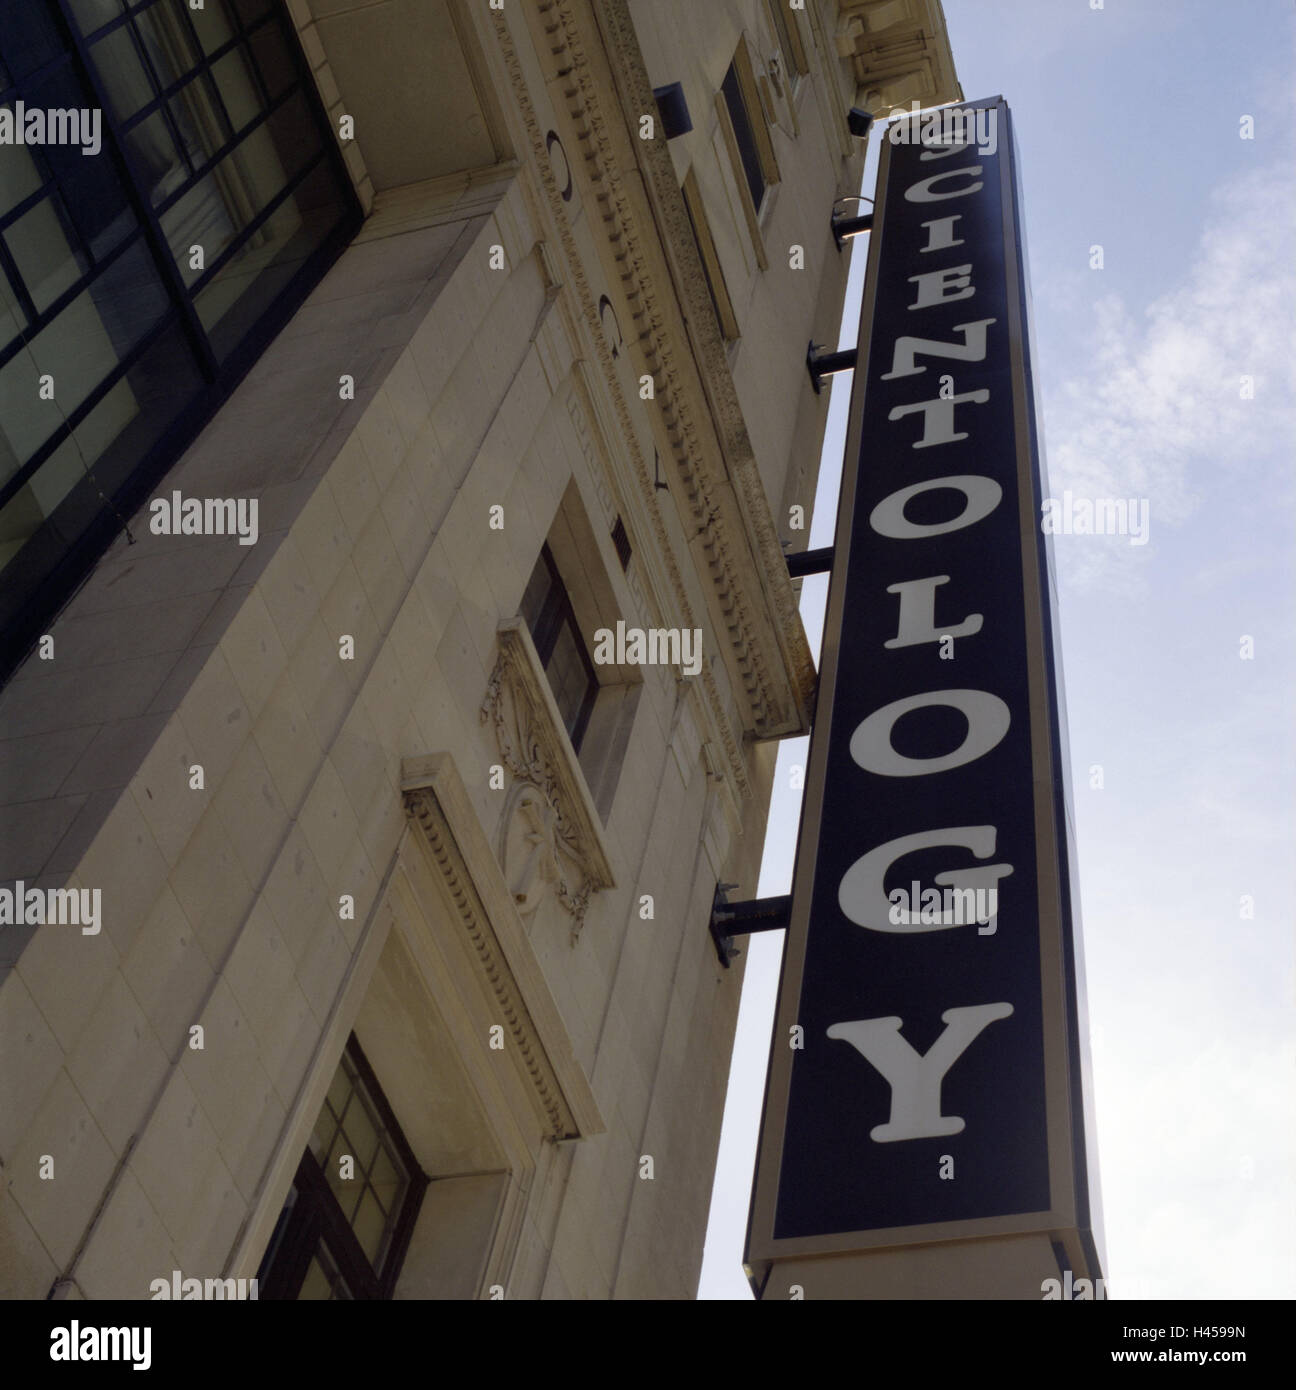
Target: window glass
(343, 1230)
(117, 57)
(742, 124)
(31, 38)
(548, 613)
(89, 14)
(104, 265)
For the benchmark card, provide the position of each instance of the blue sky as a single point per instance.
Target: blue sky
(1128, 124)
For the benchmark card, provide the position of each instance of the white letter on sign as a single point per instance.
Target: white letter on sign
(921, 192)
(971, 349)
(916, 1081)
(862, 895)
(943, 286)
(888, 518)
(987, 718)
(938, 417)
(918, 614)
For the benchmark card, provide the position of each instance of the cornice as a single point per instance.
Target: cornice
(640, 470)
(736, 541)
(438, 806)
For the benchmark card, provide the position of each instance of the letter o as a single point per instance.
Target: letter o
(921, 192)
(987, 718)
(888, 517)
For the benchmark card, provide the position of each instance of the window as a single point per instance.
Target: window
(789, 38)
(745, 134)
(558, 643)
(344, 1237)
(145, 275)
(716, 286)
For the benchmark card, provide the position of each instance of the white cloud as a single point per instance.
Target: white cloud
(1159, 410)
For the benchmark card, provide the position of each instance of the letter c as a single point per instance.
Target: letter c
(921, 192)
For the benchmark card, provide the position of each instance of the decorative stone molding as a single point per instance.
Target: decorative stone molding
(484, 917)
(737, 544)
(753, 609)
(640, 469)
(899, 51)
(551, 832)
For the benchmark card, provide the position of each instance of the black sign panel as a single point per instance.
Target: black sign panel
(925, 1067)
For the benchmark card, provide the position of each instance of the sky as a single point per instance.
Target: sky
(1130, 122)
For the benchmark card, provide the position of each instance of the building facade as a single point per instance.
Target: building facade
(403, 421)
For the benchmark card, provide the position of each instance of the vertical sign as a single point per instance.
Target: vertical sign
(927, 1079)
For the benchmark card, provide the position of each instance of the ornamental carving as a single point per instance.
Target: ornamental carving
(549, 839)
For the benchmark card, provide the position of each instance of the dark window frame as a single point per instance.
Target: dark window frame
(60, 553)
(312, 1215)
(556, 612)
(740, 117)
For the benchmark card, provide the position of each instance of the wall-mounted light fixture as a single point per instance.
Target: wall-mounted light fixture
(673, 110)
(845, 227)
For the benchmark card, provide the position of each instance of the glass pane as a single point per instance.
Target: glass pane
(45, 260)
(533, 599)
(19, 176)
(200, 120)
(346, 1191)
(129, 297)
(76, 352)
(31, 37)
(323, 1281)
(94, 197)
(371, 1228)
(211, 25)
(746, 138)
(116, 58)
(387, 1180)
(339, 1093)
(67, 153)
(131, 417)
(25, 511)
(89, 14)
(158, 164)
(295, 135)
(250, 11)
(567, 676)
(362, 1136)
(166, 39)
(251, 175)
(201, 217)
(237, 89)
(263, 268)
(321, 1139)
(273, 60)
(12, 319)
